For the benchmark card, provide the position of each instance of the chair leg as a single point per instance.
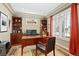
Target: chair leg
(45, 54)
(54, 52)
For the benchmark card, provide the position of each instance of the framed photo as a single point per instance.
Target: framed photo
(3, 22)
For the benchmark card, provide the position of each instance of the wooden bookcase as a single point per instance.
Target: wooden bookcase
(44, 27)
(16, 34)
(16, 25)
(44, 24)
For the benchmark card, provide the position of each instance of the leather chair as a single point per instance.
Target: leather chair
(47, 47)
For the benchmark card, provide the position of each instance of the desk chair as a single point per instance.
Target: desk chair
(47, 47)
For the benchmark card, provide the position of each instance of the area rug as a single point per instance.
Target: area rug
(16, 51)
(38, 53)
(30, 51)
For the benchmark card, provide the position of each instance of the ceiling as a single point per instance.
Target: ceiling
(34, 8)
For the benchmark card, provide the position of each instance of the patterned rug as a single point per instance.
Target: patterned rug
(38, 52)
(16, 51)
(30, 51)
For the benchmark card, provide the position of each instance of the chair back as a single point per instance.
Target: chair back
(51, 44)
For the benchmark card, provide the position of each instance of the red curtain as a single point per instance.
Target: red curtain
(74, 39)
(50, 25)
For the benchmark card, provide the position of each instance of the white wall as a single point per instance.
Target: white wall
(6, 35)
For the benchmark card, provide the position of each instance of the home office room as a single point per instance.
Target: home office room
(39, 29)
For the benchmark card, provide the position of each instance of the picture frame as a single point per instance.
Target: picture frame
(3, 22)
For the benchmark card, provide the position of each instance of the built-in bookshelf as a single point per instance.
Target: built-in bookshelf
(44, 27)
(44, 24)
(16, 25)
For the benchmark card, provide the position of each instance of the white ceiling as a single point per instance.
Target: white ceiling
(34, 8)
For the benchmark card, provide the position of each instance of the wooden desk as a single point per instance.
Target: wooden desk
(19, 39)
(32, 40)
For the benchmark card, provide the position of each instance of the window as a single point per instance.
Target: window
(67, 25)
(61, 24)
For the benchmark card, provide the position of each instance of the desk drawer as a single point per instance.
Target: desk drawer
(27, 42)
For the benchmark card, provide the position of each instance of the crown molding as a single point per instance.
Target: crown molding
(28, 15)
(58, 9)
(9, 7)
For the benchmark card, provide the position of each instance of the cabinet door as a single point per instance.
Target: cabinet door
(13, 39)
(16, 38)
(26, 42)
(16, 25)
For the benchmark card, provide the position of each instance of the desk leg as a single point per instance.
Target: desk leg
(36, 49)
(22, 51)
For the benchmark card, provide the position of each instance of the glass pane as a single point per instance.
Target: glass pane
(68, 25)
